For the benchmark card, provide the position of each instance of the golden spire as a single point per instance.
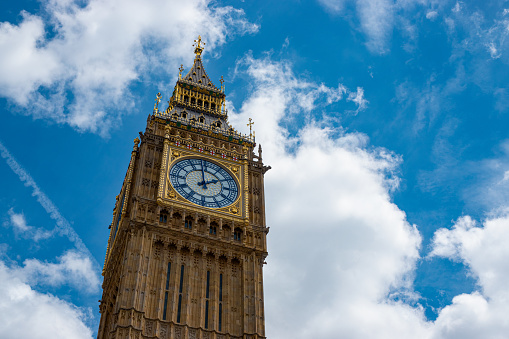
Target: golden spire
(180, 71)
(158, 100)
(222, 84)
(198, 47)
(251, 123)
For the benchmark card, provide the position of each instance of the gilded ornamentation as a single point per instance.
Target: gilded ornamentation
(172, 194)
(158, 100)
(180, 71)
(198, 47)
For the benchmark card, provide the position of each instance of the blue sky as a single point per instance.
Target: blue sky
(385, 123)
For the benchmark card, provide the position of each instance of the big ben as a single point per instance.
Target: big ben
(187, 242)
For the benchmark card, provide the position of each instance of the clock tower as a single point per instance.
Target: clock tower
(187, 242)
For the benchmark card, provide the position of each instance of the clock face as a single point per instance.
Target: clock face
(204, 183)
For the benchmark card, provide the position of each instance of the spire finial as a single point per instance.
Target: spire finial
(251, 122)
(222, 84)
(198, 46)
(180, 71)
(158, 99)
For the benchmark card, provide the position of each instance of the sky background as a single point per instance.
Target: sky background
(385, 123)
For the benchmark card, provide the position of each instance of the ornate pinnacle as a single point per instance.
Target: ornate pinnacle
(198, 47)
(180, 71)
(158, 99)
(222, 84)
(251, 122)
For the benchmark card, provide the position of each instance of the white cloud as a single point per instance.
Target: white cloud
(342, 245)
(358, 98)
(18, 222)
(27, 313)
(99, 50)
(72, 268)
(345, 255)
(494, 53)
(506, 176)
(431, 15)
(376, 20)
(484, 250)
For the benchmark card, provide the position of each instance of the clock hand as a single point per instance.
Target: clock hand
(203, 177)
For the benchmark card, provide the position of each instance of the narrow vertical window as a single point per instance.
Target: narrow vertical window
(166, 292)
(219, 318)
(168, 276)
(208, 284)
(207, 301)
(180, 292)
(206, 314)
(165, 304)
(221, 287)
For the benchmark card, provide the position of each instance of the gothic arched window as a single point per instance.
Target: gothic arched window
(213, 228)
(237, 234)
(163, 217)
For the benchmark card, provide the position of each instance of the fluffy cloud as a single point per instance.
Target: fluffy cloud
(19, 223)
(345, 252)
(72, 268)
(484, 250)
(27, 313)
(81, 74)
(345, 255)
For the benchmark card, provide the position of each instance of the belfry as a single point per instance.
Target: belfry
(187, 242)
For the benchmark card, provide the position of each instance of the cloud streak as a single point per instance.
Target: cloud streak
(63, 226)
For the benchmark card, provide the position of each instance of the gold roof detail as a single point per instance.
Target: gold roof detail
(198, 105)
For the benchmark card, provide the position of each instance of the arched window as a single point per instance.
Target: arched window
(213, 228)
(184, 115)
(193, 121)
(213, 106)
(206, 105)
(163, 217)
(201, 119)
(193, 101)
(200, 103)
(186, 99)
(218, 124)
(188, 223)
(237, 234)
